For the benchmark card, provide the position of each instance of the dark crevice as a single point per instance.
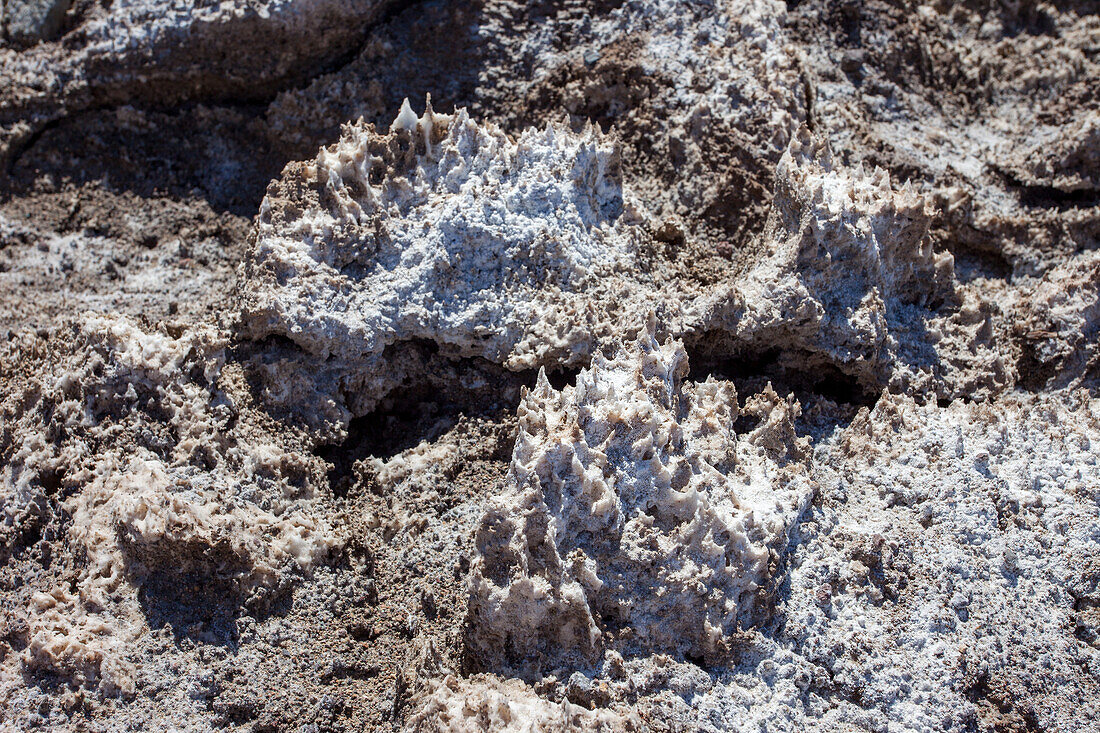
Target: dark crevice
(1033, 374)
(742, 367)
(697, 660)
(751, 371)
(829, 398)
(51, 480)
(406, 418)
(972, 263)
(421, 411)
(269, 343)
(809, 97)
(830, 382)
(559, 378)
(1049, 197)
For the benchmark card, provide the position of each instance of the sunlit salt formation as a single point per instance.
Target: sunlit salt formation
(446, 232)
(851, 281)
(634, 517)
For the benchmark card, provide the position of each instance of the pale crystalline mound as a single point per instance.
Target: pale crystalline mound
(852, 282)
(634, 517)
(140, 520)
(447, 232)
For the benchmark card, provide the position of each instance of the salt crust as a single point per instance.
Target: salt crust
(527, 252)
(135, 512)
(634, 516)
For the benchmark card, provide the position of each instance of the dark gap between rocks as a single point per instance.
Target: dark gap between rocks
(423, 411)
(751, 371)
(972, 263)
(1049, 197)
(829, 398)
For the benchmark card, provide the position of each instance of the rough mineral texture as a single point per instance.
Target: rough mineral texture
(625, 484)
(513, 252)
(127, 439)
(989, 107)
(177, 52)
(475, 365)
(851, 282)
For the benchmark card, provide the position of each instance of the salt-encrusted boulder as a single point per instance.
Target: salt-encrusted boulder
(634, 516)
(850, 281)
(527, 252)
(519, 252)
(705, 96)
